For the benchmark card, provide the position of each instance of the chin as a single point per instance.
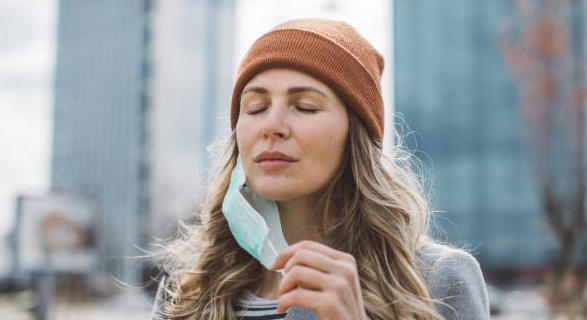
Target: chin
(272, 192)
(275, 194)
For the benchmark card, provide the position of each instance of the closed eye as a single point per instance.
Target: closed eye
(305, 110)
(257, 111)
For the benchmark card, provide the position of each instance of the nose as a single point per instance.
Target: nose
(276, 125)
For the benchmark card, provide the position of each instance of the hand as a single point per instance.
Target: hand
(320, 278)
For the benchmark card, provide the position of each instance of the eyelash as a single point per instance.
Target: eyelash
(299, 108)
(307, 110)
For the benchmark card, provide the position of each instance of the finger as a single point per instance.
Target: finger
(305, 298)
(311, 259)
(325, 264)
(286, 254)
(305, 277)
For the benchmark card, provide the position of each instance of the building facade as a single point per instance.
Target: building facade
(135, 107)
(454, 90)
(101, 139)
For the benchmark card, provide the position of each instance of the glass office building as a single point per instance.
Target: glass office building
(137, 91)
(101, 140)
(452, 86)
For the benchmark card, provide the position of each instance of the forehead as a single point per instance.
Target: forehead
(280, 80)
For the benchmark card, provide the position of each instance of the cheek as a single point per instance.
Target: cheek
(243, 137)
(324, 148)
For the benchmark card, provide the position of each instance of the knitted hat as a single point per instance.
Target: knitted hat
(330, 51)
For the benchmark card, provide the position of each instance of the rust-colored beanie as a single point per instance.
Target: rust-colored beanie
(332, 52)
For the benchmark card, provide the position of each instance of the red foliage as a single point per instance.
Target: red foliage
(549, 72)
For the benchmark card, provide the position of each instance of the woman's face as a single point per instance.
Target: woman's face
(289, 112)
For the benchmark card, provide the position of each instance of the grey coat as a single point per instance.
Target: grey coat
(453, 277)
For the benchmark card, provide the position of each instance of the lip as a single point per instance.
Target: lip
(274, 164)
(273, 156)
(273, 160)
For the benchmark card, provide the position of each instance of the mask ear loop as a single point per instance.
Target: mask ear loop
(275, 253)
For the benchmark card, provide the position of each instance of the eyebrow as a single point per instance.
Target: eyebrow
(292, 90)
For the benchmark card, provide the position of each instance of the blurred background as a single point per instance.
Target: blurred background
(107, 108)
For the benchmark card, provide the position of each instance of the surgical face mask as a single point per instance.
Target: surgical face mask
(253, 220)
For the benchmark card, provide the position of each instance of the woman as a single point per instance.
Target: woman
(307, 115)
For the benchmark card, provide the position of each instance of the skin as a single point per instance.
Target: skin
(293, 113)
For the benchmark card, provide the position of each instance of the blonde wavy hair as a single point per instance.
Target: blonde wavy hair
(380, 216)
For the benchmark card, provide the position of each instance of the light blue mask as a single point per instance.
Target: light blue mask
(253, 221)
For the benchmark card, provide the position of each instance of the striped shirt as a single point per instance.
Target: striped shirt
(250, 306)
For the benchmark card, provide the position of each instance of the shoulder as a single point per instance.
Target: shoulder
(454, 280)
(433, 257)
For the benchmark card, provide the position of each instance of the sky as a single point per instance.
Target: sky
(27, 62)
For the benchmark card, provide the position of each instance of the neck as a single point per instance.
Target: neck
(297, 219)
(297, 224)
